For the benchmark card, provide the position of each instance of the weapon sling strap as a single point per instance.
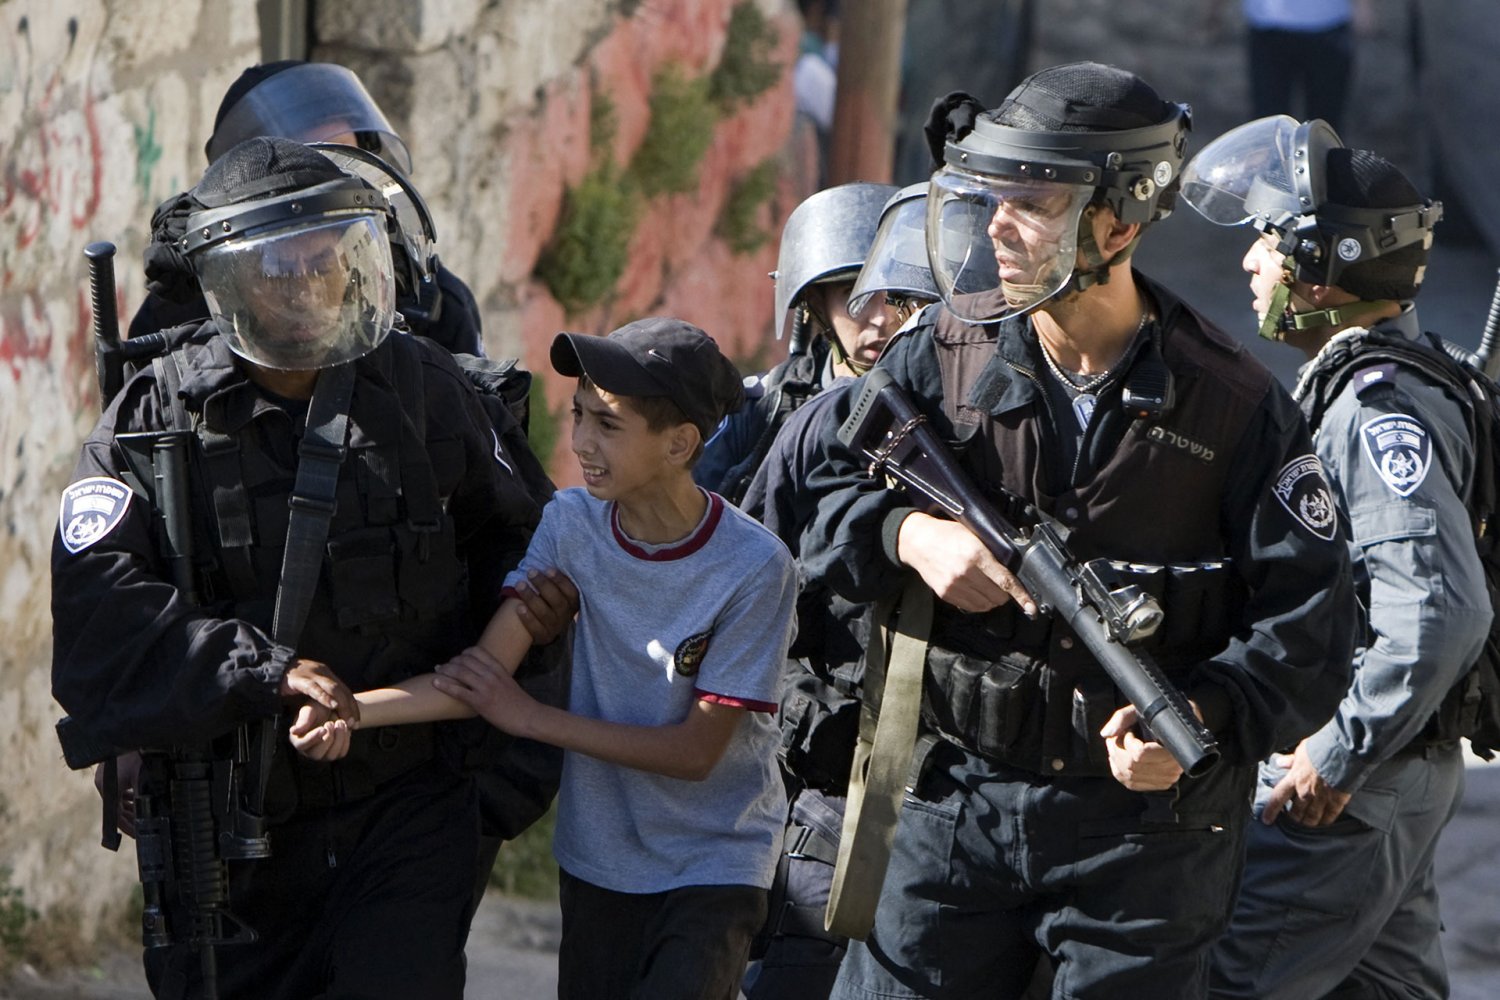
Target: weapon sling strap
(320, 454)
(882, 761)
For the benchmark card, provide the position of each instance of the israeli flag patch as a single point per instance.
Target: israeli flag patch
(91, 508)
(1303, 490)
(1400, 449)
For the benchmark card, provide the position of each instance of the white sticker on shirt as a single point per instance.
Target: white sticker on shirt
(1400, 449)
(500, 453)
(91, 508)
(1303, 490)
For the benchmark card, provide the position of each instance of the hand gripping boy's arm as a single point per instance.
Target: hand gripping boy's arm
(688, 750)
(538, 613)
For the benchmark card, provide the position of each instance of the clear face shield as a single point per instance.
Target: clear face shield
(897, 264)
(305, 296)
(1250, 175)
(1000, 246)
(314, 102)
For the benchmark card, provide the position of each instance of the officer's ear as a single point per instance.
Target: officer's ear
(1322, 295)
(1111, 234)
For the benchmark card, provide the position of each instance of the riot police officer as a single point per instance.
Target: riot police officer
(797, 956)
(1040, 820)
(823, 245)
(323, 103)
(1338, 898)
(352, 512)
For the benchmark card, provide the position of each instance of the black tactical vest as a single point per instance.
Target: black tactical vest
(1153, 504)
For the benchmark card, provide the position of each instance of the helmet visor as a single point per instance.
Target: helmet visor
(897, 264)
(415, 235)
(302, 297)
(998, 246)
(1247, 173)
(314, 102)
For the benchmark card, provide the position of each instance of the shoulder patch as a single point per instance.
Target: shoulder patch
(1400, 449)
(688, 658)
(1303, 490)
(90, 509)
(1374, 375)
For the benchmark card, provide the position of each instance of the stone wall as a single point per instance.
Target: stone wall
(104, 109)
(496, 102)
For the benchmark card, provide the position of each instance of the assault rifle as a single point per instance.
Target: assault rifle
(196, 808)
(1087, 596)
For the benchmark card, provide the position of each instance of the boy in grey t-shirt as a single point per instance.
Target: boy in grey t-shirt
(671, 806)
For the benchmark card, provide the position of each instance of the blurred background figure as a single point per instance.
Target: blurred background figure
(815, 73)
(1302, 51)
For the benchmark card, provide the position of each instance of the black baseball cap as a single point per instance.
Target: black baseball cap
(657, 356)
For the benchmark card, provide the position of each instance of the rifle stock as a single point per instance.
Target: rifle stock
(896, 439)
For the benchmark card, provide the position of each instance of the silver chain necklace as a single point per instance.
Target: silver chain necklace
(1067, 379)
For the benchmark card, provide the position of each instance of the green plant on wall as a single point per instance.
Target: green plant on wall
(739, 224)
(682, 125)
(588, 250)
(586, 255)
(16, 920)
(746, 68)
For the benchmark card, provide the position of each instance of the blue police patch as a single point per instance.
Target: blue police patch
(1304, 491)
(1400, 449)
(90, 510)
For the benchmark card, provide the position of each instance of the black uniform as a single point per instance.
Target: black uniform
(1016, 838)
(368, 887)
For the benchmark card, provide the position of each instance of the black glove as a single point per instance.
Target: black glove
(951, 118)
(168, 272)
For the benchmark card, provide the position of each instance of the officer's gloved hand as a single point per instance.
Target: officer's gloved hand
(168, 274)
(951, 118)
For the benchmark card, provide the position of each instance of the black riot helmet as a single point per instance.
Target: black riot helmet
(309, 102)
(1341, 217)
(293, 255)
(1026, 175)
(825, 239)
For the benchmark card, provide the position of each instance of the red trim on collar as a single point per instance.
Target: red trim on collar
(692, 543)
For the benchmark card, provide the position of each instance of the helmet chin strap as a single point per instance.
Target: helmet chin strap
(835, 346)
(1097, 267)
(1283, 315)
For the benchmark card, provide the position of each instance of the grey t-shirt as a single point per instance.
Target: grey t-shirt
(659, 628)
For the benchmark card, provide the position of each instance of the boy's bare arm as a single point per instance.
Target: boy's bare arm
(688, 750)
(505, 639)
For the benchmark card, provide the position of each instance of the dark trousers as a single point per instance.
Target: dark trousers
(362, 899)
(1349, 909)
(801, 959)
(993, 866)
(1316, 66)
(685, 944)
